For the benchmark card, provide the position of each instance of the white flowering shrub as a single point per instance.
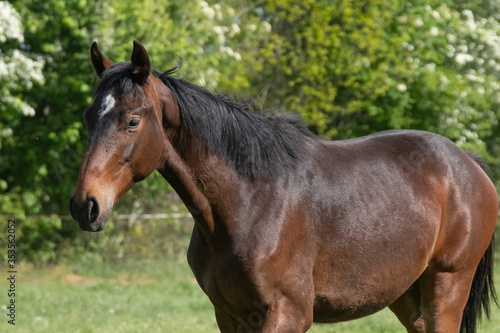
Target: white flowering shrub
(10, 23)
(18, 71)
(453, 53)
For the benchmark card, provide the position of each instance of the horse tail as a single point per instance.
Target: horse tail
(481, 292)
(482, 289)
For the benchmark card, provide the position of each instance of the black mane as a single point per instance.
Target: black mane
(252, 143)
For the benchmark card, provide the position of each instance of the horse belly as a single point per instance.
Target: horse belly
(355, 281)
(335, 307)
(351, 297)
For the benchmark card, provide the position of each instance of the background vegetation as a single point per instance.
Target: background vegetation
(349, 67)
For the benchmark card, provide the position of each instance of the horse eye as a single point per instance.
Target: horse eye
(133, 123)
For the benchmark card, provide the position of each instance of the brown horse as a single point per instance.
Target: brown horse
(290, 229)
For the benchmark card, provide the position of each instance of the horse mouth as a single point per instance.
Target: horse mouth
(97, 225)
(93, 227)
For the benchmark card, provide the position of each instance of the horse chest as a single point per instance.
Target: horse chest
(222, 276)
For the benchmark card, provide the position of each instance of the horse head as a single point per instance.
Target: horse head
(129, 124)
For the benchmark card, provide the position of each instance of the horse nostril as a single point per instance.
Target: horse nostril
(93, 209)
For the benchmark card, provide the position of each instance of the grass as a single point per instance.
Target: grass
(147, 296)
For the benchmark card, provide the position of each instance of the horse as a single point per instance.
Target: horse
(290, 229)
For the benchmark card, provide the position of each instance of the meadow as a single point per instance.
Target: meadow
(139, 296)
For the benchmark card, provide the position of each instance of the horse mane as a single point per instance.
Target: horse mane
(236, 131)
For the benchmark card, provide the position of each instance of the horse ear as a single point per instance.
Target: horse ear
(140, 63)
(99, 61)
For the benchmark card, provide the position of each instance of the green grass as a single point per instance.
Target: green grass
(139, 297)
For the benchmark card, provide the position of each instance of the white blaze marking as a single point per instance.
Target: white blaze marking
(108, 102)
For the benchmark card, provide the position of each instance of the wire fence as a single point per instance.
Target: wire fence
(119, 216)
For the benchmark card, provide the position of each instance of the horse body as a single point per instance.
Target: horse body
(311, 230)
(395, 222)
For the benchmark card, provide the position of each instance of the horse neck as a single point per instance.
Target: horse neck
(200, 178)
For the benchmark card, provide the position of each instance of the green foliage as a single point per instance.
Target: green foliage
(332, 62)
